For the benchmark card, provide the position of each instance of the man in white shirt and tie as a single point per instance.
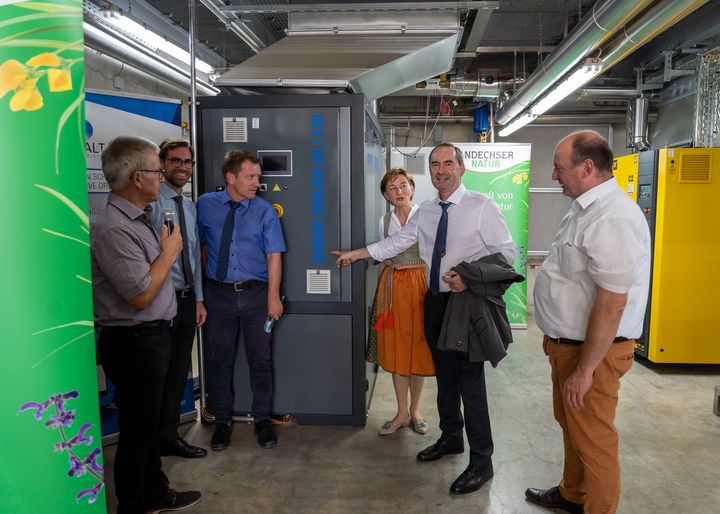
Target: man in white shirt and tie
(473, 228)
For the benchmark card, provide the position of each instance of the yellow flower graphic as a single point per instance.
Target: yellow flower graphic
(45, 59)
(520, 178)
(59, 80)
(27, 98)
(12, 74)
(22, 79)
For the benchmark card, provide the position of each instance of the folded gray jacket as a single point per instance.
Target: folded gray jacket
(475, 320)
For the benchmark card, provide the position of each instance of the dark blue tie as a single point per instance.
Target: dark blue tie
(225, 240)
(187, 270)
(439, 250)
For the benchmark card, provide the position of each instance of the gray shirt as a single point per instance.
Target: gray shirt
(123, 245)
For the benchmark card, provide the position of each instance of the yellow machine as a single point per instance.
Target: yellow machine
(625, 170)
(679, 192)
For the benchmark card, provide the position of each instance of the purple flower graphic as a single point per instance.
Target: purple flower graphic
(92, 492)
(91, 460)
(80, 438)
(61, 420)
(77, 468)
(40, 408)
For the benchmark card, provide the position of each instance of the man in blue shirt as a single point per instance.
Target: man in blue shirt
(242, 242)
(176, 156)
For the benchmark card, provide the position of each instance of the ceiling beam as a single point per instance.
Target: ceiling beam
(360, 7)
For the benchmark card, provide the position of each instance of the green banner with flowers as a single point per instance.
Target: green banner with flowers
(501, 171)
(51, 459)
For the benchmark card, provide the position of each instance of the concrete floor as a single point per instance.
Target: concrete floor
(670, 447)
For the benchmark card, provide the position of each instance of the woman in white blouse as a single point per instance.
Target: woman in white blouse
(397, 338)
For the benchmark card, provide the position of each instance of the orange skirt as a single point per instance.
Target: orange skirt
(397, 324)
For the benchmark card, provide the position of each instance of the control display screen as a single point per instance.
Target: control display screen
(275, 163)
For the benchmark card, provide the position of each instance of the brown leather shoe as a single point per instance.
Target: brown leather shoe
(553, 499)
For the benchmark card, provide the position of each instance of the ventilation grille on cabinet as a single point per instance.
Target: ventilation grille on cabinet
(318, 281)
(695, 169)
(235, 130)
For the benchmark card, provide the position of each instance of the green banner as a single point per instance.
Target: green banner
(51, 460)
(501, 171)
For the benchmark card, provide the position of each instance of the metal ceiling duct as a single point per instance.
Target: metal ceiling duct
(608, 92)
(605, 20)
(654, 21)
(640, 128)
(128, 51)
(374, 53)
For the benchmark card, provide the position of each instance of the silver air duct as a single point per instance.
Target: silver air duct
(656, 20)
(640, 125)
(606, 19)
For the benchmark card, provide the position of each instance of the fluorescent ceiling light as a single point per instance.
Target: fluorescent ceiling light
(154, 41)
(589, 70)
(118, 45)
(517, 123)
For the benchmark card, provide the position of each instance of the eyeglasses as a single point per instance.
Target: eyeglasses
(180, 162)
(160, 171)
(402, 187)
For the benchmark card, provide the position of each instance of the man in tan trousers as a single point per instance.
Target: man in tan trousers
(590, 298)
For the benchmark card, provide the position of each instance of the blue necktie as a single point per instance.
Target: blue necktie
(439, 250)
(187, 270)
(225, 240)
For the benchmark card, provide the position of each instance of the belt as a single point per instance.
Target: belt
(145, 324)
(155, 324)
(575, 342)
(237, 286)
(185, 293)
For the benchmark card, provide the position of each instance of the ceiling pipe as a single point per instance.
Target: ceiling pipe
(608, 92)
(657, 19)
(235, 24)
(130, 52)
(334, 7)
(400, 119)
(458, 88)
(640, 127)
(571, 118)
(148, 16)
(605, 20)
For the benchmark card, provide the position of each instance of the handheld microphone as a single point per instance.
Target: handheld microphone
(270, 321)
(169, 219)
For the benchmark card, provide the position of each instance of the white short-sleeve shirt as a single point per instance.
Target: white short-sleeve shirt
(603, 240)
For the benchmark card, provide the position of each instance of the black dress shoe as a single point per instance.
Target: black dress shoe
(221, 437)
(471, 479)
(266, 437)
(175, 500)
(553, 499)
(182, 448)
(438, 450)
